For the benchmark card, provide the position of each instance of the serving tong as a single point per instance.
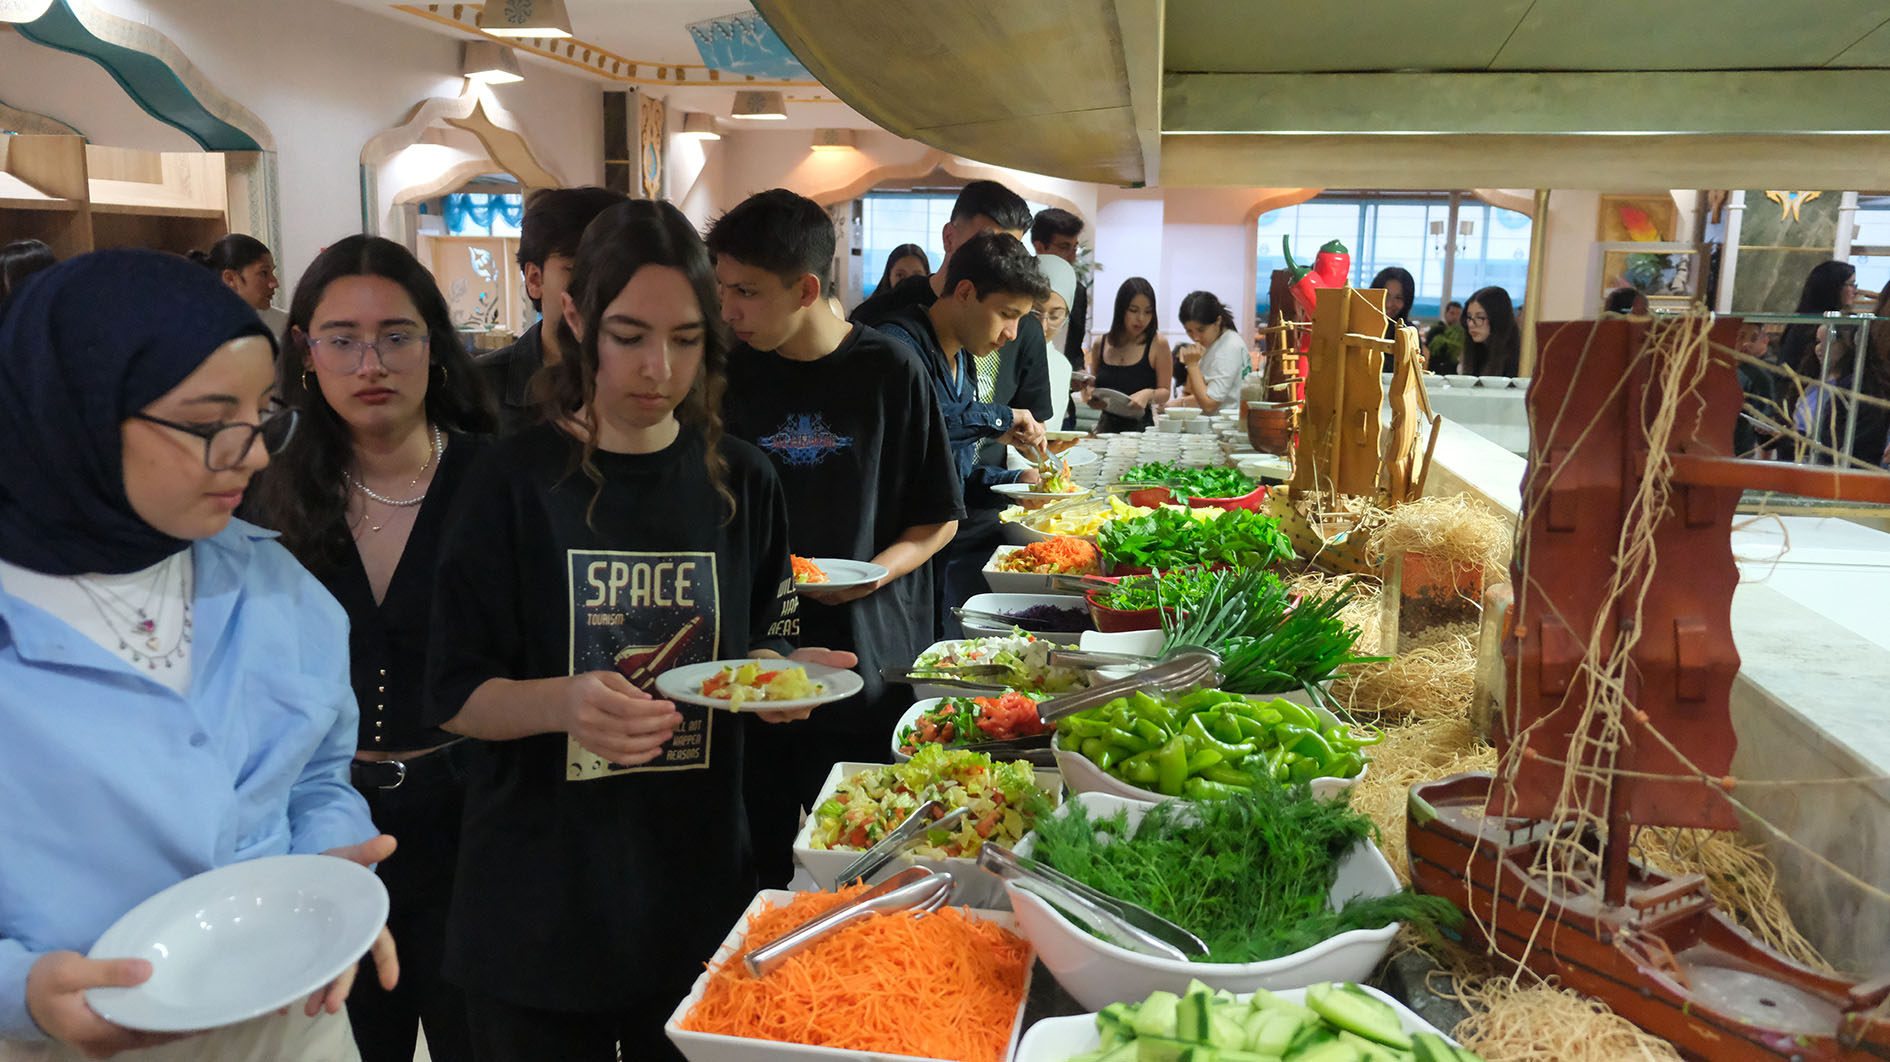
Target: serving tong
(956, 676)
(912, 889)
(1124, 924)
(1181, 667)
(931, 815)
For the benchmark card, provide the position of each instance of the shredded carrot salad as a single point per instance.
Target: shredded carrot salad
(944, 985)
(1062, 554)
(806, 571)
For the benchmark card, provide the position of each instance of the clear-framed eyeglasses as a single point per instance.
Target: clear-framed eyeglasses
(227, 443)
(397, 351)
(1052, 319)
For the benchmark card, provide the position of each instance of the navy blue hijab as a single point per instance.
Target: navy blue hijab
(83, 345)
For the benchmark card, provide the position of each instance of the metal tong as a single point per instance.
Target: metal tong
(1182, 667)
(914, 888)
(930, 815)
(1120, 922)
(956, 676)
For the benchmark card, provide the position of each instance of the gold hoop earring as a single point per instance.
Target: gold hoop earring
(306, 386)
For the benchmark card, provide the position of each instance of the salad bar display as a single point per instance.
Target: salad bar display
(1192, 482)
(1025, 661)
(963, 720)
(1174, 538)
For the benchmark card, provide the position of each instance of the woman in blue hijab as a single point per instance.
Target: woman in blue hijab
(173, 686)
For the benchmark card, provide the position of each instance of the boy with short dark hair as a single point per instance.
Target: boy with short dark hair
(848, 417)
(1054, 231)
(554, 221)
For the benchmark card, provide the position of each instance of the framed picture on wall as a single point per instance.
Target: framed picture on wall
(1666, 273)
(1636, 218)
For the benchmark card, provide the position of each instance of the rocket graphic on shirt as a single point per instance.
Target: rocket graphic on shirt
(804, 439)
(640, 614)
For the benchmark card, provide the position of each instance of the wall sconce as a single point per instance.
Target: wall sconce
(489, 62)
(833, 140)
(698, 126)
(759, 105)
(525, 18)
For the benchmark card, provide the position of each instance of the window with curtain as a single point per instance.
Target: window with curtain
(482, 213)
(1393, 230)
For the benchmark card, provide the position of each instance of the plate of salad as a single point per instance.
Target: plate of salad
(955, 721)
(861, 801)
(1027, 656)
(834, 573)
(757, 685)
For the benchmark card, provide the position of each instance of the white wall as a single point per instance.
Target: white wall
(324, 77)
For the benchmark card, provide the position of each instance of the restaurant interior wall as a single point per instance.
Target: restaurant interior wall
(324, 77)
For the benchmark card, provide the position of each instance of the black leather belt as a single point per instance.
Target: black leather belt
(378, 774)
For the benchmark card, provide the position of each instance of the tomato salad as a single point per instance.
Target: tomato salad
(963, 720)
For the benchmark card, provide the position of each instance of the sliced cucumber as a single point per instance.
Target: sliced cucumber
(1350, 1008)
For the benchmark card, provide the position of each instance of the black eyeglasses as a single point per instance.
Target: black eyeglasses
(227, 443)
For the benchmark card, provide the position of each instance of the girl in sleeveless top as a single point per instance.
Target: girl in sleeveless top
(1130, 358)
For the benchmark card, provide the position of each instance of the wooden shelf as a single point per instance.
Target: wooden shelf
(79, 197)
(154, 210)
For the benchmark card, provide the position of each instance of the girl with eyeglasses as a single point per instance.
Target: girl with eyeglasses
(391, 412)
(173, 685)
(1493, 339)
(606, 846)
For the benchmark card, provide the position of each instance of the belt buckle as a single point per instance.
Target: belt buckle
(401, 775)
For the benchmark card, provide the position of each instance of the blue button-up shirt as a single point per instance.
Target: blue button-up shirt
(114, 787)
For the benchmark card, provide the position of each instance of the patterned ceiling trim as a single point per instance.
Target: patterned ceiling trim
(153, 72)
(594, 59)
(743, 43)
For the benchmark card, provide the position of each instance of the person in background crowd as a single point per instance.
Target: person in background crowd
(1399, 289)
(1131, 358)
(1830, 287)
(906, 260)
(1215, 353)
(246, 267)
(548, 238)
(1443, 344)
(19, 260)
(1054, 231)
(177, 695)
(1494, 346)
(606, 848)
(1750, 436)
(847, 417)
(993, 285)
(1628, 301)
(389, 407)
(1054, 314)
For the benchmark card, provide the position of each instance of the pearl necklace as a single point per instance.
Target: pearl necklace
(439, 444)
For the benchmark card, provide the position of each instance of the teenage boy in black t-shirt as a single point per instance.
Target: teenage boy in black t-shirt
(849, 420)
(554, 221)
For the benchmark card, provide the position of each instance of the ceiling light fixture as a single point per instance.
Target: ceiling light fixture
(525, 18)
(833, 140)
(489, 62)
(699, 126)
(759, 105)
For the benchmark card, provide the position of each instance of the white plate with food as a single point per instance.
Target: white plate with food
(1032, 496)
(758, 685)
(834, 573)
(240, 941)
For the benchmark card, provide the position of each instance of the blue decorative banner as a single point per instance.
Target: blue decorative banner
(744, 43)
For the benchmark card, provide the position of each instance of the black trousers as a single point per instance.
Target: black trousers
(507, 1032)
(423, 815)
(785, 765)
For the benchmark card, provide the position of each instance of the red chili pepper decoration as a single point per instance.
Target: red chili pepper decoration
(1332, 268)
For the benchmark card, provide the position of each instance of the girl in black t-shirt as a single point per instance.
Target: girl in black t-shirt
(605, 851)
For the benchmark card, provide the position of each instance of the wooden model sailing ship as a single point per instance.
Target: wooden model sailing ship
(1343, 457)
(1620, 662)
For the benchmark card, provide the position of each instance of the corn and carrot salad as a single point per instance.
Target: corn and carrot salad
(1052, 556)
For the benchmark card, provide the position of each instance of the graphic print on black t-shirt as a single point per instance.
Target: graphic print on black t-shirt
(640, 614)
(804, 439)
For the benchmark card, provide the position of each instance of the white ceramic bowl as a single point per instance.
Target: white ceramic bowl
(1098, 973)
(1171, 427)
(1003, 603)
(1458, 380)
(1493, 382)
(976, 887)
(1083, 776)
(1002, 582)
(1058, 1039)
(716, 1047)
(1520, 382)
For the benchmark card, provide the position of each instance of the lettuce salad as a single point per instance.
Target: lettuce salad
(1003, 799)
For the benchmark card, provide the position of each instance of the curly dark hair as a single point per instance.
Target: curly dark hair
(619, 242)
(304, 492)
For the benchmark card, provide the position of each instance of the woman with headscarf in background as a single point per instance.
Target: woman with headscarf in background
(1054, 312)
(176, 685)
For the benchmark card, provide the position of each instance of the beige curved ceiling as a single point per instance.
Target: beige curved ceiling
(1417, 94)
